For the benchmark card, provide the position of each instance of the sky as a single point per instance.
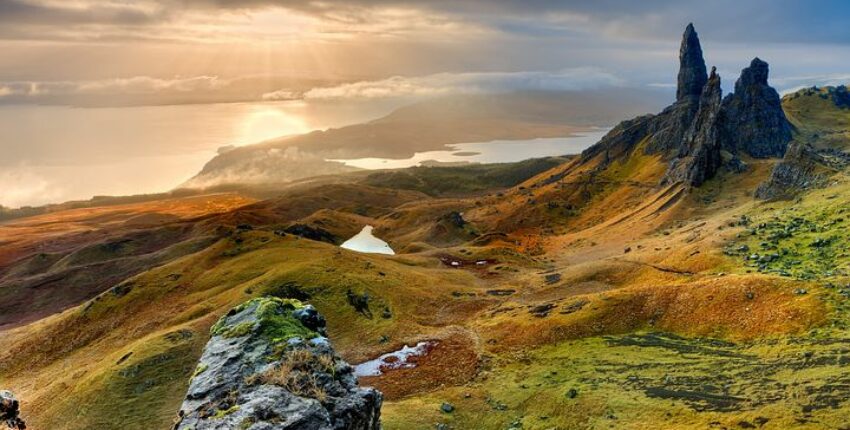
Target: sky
(184, 77)
(194, 51)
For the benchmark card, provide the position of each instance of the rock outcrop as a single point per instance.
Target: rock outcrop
(269, 366)
(10, 411)
(699, 157)
(754, 122)
(702, 132)
(801, 169)
(692, 75)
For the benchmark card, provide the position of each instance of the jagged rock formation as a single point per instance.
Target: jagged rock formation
(798, 171)
(10, 412)
(692, 76)
(754, 122)
(268, 366)
(699, 133)
(699, 157)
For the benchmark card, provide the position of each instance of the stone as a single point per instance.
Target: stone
(447, 408)
(699, 157)
(313, 233)
(754, 122)
(10, 411)
(692, 73)
(798, 170)
(702, 131)
(268, 365)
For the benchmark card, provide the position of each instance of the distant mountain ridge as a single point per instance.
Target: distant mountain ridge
(424, 126)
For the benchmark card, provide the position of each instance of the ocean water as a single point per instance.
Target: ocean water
(51, 154)
(497, 151)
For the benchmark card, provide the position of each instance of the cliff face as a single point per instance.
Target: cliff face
(268, 366)
(699, 156)
(754, 122)
(692, 132)
(797, 171)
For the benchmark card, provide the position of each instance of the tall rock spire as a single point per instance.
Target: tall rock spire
(692, 73)
(699, 156)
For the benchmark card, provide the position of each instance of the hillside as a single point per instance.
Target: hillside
(424, 126)
(639, 285)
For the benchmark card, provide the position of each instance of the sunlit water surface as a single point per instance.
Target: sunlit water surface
(51, 154)
(365, 241)
(497, 151)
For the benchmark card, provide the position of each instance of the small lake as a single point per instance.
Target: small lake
(401, 359)
(365, 241)
(496, 151)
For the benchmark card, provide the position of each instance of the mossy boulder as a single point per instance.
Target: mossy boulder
(269, 365)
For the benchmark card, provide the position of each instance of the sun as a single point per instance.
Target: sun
(264, 123)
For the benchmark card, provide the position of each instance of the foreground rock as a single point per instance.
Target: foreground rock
(10, 412)
(268, 366)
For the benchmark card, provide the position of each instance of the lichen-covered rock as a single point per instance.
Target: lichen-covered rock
(10, 411)
(754, 121)
(801, 169)
(269, 366)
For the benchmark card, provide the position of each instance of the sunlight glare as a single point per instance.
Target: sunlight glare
(265, 123)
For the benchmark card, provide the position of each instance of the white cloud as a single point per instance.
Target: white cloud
(484, 82)
(281, 95)
(133, 85)
(791, 84)
(21, 186)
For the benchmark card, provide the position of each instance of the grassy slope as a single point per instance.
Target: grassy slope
(756, 351)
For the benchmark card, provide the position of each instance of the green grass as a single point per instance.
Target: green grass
(644, 381)
(459, 180)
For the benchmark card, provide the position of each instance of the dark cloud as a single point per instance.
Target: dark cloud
(21, 12)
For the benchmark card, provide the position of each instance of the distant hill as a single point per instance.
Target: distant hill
(424, 126)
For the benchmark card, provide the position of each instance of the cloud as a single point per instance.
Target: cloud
(59, 91)
(791, 84)
(466, 83)
(20, 186)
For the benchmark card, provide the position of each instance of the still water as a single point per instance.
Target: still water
(365, 241)
(497, 151)
(52, 154)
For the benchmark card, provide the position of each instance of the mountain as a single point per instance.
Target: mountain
(640, 284)
(424, 126)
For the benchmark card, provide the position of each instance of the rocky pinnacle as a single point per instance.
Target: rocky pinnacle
(692, 73)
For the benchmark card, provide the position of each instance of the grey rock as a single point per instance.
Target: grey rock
(699, 157)
(797, 171)
(10, 411)
(701, 131)
(754, 122)
(692, 74)
(267, 366)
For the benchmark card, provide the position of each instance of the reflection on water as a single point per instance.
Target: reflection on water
(365, 241)
(497, 151)
(57, 153)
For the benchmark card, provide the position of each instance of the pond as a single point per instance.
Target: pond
(404, 358)
(496, 151)
(366, 242)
